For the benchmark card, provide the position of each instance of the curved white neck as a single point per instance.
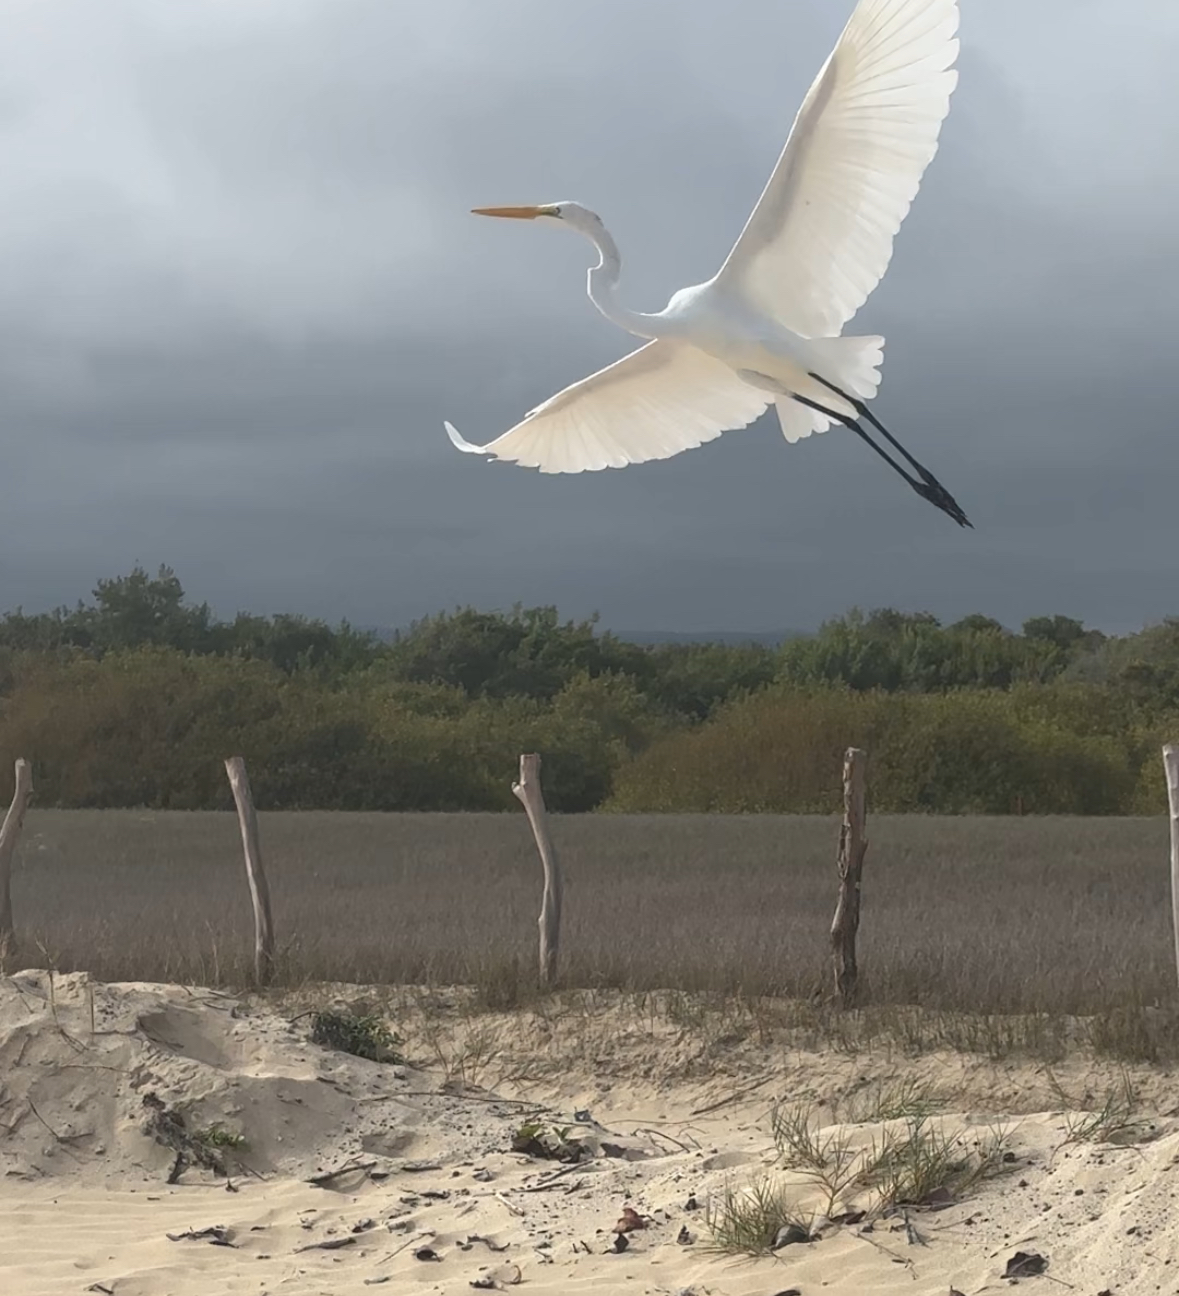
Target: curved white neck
(603, 286)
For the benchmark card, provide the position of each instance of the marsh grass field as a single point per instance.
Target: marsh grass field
(1062, 916)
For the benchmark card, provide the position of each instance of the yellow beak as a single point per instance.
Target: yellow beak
(515, 213)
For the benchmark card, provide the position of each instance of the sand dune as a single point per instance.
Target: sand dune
(85, 1203)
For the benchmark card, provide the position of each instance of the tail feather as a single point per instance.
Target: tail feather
(851, 363)
(799, 421)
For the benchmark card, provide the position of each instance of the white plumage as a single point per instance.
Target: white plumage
(681, 397)
(766, 328)
(821, 236)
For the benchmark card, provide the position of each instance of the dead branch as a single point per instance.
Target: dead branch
(247, 818)
(530, 796)
(9, 836)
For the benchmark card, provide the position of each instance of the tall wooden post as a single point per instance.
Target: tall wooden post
(528, 792)
(1171, 765)
(852, 845)
(9, 836)
(247, 818)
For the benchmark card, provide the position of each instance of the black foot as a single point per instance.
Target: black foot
(929, 488)
(941, 498)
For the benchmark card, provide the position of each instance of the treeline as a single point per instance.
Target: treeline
(134, 698)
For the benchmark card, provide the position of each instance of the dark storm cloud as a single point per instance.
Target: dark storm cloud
(241, 290)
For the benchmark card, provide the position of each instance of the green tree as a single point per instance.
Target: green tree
(135, 610)
(976, 623)
(527, 653)
(1064, 632)
(692, 680)
(297, 643)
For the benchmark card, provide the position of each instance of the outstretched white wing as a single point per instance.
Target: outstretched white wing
(820, 238)
(660, 400)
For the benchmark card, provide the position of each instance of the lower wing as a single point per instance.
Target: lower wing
(663, 399)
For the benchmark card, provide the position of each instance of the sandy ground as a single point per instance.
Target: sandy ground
(673, 1118)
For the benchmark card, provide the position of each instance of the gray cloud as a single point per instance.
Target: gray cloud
(241, 290)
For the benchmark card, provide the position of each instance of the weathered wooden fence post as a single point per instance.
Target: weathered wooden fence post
(1171, 765)
(247, 818)
(852, 845)
(529, 793)
(9, 835)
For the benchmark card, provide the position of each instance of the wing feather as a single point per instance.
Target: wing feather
(663, 399)
(821, 236)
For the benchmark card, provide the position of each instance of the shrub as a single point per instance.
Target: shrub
(953, 753)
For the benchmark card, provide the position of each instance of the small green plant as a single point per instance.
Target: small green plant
(548, 1142)
(923, 1164)
(752, 1221)
(890, 1101)
(463, 1055)
(215, 1136)
(827, 1159)
(1111, 1122)
(366, 1037)
(913, 1166)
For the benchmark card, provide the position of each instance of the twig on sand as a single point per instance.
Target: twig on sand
(511, 1206)
(477, 1098)
(732, 1098)
(62, 1139)
(542, 1185)
(328, 1244)
(892, 1255)
(491, 1245)
(216, 1234)
(409, 1241)
(352, 1166)
(654, 1134)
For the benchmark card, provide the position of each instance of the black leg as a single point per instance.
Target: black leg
(859, 431)
(929, 488)
(864, 412)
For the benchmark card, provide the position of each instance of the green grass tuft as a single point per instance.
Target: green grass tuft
(366, 1037)
(748, 1221)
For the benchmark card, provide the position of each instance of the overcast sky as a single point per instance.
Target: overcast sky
(240, 290)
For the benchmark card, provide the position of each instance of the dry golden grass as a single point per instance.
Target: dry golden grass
(985, 915)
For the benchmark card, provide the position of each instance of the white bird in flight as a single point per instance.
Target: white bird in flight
(766, 327)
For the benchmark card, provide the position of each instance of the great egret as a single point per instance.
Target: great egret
(766, 327)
